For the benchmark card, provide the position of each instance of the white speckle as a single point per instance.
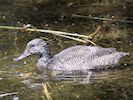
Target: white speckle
(21, 75)
(46, 25)
(125, 64)
(69, 4)
(25, 62)
(55, 22)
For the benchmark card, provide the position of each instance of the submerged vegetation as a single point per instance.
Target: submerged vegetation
(106, 23)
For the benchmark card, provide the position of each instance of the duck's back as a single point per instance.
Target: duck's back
(78, 57)
(83, 52)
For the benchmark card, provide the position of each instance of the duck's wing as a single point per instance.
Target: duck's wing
(72, 52)
(78, 60)
(101, 52)
(71, 64)
(77, 64)
(82, 52)
(75, 51)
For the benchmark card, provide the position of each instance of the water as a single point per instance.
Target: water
(23, 77)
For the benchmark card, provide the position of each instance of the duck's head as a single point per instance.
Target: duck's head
(35, 46)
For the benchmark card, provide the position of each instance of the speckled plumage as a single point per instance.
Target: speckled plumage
(83, 58)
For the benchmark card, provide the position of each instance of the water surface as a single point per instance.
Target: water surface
(22, 76)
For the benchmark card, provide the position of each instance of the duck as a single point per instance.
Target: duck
(73, 59)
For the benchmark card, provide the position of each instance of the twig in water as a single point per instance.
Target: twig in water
(58, 33)
(46, 92)
(73, 38)
(104, 19)
(44, 31)
(8, 94)
(96, 31)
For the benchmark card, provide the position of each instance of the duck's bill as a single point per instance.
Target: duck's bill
(23, 55)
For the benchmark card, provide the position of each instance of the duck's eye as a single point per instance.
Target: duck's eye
(32, 45)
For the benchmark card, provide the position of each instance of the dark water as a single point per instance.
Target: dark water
(23, 77)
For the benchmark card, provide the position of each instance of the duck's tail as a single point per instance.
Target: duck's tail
(117, 58)
(122, 54)
(106, 61)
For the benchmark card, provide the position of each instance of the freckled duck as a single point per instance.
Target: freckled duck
(76, 58)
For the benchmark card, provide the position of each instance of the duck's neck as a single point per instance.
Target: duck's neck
(46, 56)
(43, 61)
(44, 53)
